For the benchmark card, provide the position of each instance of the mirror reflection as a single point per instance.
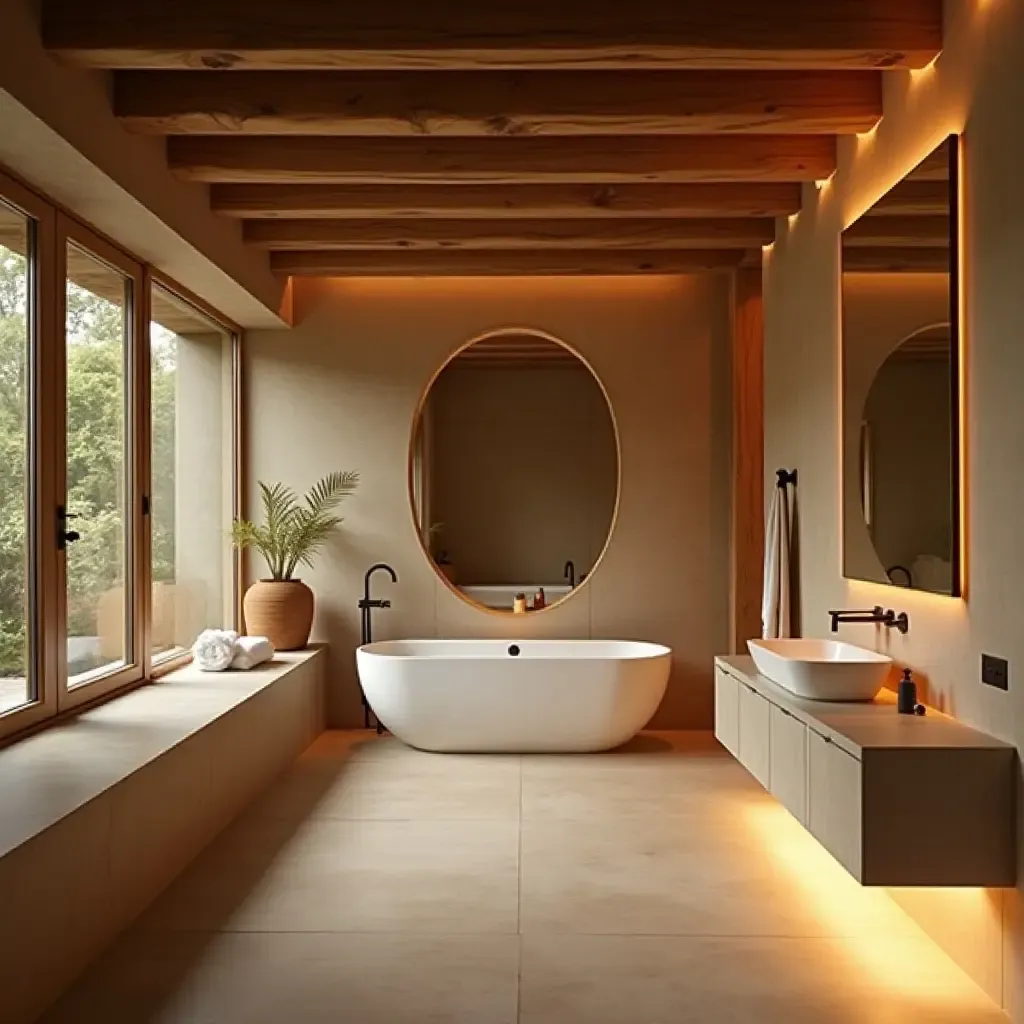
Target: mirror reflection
(514, 472)
(900, 384)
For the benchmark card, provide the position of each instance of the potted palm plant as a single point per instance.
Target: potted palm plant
(281, 607)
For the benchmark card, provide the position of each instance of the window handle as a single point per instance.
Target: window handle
(65, 536)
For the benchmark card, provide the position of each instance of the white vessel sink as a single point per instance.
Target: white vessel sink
(821, 669)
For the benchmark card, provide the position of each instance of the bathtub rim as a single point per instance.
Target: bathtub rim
(652, 650)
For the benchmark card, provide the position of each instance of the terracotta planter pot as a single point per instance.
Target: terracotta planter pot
(281, 610)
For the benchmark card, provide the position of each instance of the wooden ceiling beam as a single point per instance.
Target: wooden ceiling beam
(489, 103)
(503, 160)
(449, 34)
(489, 202)
(502, 264)
(409, 236)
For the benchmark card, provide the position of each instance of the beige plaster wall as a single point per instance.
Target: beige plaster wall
(340, 390)
(977, 86)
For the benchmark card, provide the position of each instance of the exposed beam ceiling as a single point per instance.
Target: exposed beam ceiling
(497, 103)
(490, 202)
(512, 264)
(512, 136)
(726, 233)
(447, 34)
(505, 160)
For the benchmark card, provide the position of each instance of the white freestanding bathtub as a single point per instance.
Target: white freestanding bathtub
(514, 696)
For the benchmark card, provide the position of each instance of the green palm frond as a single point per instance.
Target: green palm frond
(331, 491)
(294, 532)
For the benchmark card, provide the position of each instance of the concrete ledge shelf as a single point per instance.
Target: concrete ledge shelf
(100, 813)
(898, 800)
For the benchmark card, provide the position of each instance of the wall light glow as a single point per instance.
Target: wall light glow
(962, 367)
(929, 69)
(871, 132)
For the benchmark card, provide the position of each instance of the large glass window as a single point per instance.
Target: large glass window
(192, 445)
(118, 474)
(16, 661)
(98, 481)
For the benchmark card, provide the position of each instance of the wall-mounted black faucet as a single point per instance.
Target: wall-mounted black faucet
(366, 606)
(884, 617)
(570, 574)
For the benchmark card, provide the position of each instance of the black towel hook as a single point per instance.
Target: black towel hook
(786, 476)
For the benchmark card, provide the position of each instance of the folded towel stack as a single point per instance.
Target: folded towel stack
(218, 649)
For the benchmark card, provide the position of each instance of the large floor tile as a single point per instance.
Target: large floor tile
(367, 876)
(195, 978)
(687, 875)
(562, 789)
(395, 787)
(613, 980)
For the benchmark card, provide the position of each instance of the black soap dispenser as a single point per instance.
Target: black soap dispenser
(906, 698)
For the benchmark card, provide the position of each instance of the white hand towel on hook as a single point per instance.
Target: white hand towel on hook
(776, 602)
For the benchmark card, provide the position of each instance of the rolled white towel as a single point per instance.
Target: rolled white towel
(251, 651)
(214, 649)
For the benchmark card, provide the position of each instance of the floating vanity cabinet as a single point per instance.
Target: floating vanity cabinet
(835, 808)
(788, 762)
(898, 800)
(727, 711)
(755, 733)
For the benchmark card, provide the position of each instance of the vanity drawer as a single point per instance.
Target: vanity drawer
(788, 749)
(755, 734)
(727, 711)
(835, 814)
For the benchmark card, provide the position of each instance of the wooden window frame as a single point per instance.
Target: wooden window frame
(53, 229)
(136, 459)
(41, 463)
(154, 670)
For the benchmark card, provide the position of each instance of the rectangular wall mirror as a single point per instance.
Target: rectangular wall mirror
(901, 392)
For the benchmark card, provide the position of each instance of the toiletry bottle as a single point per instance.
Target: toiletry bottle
(519, 604)
(539, 600)
(906, 698)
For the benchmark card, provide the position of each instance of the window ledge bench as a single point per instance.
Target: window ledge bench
(898, 800)
(98, 814)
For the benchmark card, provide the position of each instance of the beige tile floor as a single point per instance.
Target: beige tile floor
(654, 885)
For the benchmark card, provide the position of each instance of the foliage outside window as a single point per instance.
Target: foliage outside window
(101, 422)
(15, 687)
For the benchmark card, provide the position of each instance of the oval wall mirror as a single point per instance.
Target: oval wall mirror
(514, 471)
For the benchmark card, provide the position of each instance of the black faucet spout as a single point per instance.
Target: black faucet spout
(377, 567)
(878, 614)
(366, 606)
(570, 573)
